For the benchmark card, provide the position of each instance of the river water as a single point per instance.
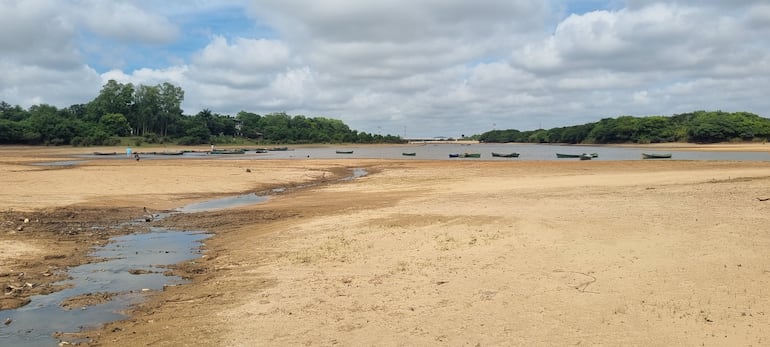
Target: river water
(132, 264)
(528, 152)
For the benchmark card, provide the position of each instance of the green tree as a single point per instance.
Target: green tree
(249, 124)
(115, 124)
(113, 98)
(170, 108)
(147, 107)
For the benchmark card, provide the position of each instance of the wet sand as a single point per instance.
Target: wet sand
(422, 252)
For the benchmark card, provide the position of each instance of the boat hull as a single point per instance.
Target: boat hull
(227, 152)
(656, 155)
(505, 155)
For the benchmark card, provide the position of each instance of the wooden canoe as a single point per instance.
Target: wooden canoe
(505, 155)
(225, 151)
(656, 155)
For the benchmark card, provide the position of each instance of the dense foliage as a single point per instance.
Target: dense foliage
(153, 114)
(698, 127)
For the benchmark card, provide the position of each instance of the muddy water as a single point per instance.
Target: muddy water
(219, 204)
(61, 163)
(132, 264)
(148, 254)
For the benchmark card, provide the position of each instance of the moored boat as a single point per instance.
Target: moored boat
(585, 156)
(505, 155)
(105, 153)
(454, 155)
(226, 151)
(562, 155)
(169, 153)
(656, 155)
(409, 154)
(470, 155)
(344, 152)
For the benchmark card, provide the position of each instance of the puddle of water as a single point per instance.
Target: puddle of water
(219, 204)
(357, 173)
(61, 163)
(35, 323)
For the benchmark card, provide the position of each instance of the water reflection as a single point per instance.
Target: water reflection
(224, 203)
(530, 152)
(144, 255)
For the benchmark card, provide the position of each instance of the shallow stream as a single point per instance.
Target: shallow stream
(146, 255)
(132, 264)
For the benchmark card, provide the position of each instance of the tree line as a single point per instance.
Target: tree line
(695, 127)
(153, 114)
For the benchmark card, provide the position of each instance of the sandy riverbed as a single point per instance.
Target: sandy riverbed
(423, 252)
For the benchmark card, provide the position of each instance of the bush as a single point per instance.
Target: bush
(190, 141)
(151, 138)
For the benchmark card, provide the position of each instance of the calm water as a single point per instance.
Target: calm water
(35, 323)
(224, 203)
(442, 151)
(526, 151)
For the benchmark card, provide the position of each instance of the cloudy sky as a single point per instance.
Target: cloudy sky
(419, 68)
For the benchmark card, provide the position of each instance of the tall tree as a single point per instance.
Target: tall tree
(170, 108)
(113, 98)
(147, 106)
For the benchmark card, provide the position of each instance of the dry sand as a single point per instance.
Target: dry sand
(478, 253)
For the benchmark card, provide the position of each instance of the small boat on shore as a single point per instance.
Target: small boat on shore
(470, 155)
(168, 153)
(562, 155)
(226, 151)
(344, 152)
(656, 155)
(505, 155)
(409, 154)
(105, 153)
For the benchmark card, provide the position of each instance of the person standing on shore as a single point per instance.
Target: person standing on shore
(128, 152)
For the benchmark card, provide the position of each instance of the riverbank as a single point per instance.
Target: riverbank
(433, 252)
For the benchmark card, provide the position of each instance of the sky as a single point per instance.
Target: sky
(413, 68)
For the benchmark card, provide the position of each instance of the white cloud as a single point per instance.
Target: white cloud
(125, 22)
(245, 54)
(246, 63)
(435, 67)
